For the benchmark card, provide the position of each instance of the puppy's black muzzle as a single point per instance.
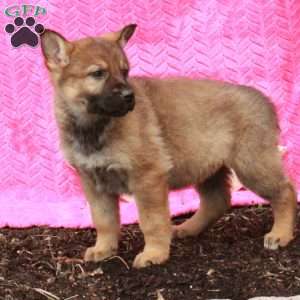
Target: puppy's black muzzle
(115, 104)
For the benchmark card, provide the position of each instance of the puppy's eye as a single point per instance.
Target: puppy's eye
(125, 72)
(98, 74)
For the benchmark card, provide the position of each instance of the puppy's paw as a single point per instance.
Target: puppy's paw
(148, 258)
(97, 254)
(274, 240)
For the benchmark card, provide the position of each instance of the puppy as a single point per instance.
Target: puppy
(147, 136)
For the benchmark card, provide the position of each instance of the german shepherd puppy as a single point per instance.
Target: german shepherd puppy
(146, 136)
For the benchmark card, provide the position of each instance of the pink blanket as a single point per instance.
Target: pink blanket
(249, 42)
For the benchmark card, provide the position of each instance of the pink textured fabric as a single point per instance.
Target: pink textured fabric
(249, 42)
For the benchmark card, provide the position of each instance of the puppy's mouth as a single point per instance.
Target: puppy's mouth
(109, 106)
(119, 112)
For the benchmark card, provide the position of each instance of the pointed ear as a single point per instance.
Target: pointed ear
(56, 49)
(122, 36)
(126, 33)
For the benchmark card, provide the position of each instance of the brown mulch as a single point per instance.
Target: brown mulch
(228, 261)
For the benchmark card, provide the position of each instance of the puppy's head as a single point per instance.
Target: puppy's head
(90, 75)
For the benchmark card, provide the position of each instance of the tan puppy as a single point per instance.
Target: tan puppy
(146, 136)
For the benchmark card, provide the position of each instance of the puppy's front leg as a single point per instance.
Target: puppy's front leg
(105, 216)
(151, 195)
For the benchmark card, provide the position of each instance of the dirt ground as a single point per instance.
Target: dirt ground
(228, 261)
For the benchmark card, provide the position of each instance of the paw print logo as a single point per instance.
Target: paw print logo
(24, 33)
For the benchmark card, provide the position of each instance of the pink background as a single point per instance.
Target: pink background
(249, 42)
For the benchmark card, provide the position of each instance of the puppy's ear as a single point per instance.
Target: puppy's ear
(56, 49)
(122, 36)
(126, 33)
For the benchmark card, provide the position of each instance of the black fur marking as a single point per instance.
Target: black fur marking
(113, 105)
(87, 137)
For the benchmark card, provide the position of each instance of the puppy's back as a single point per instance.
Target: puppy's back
(205, 120)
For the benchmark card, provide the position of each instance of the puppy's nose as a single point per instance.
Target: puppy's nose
(127, 94)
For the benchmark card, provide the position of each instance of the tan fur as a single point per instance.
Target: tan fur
(105, 216)
(182, 132)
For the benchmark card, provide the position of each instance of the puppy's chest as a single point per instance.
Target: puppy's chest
(107, 171)
(86, 140)
(103, 162)
(111, 181)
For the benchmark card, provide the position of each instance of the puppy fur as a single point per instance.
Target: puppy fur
(181, 132)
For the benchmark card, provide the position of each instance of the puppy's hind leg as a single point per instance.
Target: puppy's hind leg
(263, 175)
(215, 200)
(284, 211)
